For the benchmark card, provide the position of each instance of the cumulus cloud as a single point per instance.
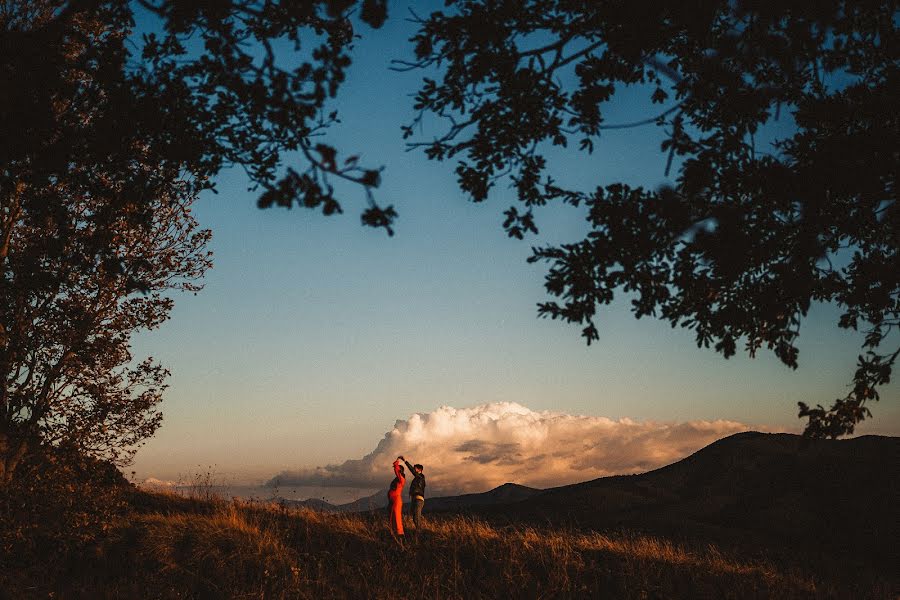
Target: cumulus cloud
(153, 482)
(475, 449)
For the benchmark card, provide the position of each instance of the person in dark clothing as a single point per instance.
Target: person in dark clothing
(416, 492)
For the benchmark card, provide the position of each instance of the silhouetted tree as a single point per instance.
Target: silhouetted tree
(200, 85)
(79, 280)
(114, 115)
(748, 236)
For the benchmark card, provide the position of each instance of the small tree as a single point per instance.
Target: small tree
(748, 236)
(79, 281)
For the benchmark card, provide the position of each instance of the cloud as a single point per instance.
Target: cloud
(475, 449)
(153, 482)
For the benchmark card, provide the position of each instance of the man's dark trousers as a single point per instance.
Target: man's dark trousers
(418, 503)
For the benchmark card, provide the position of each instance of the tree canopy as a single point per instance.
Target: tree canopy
(748, 236)
(198, 84)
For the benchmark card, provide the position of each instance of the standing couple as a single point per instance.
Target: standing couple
(416, 494)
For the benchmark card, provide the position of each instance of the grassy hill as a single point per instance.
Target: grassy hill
(735, 520)
(170, 547)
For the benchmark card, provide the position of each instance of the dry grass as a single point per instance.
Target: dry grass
(172, 548)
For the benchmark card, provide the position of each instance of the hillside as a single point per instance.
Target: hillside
(835, 496)
(700, 528)
(167, 546)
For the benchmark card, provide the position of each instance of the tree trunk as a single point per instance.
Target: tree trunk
(12, 449)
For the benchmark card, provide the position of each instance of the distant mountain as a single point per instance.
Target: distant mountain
(505, 494)
(837, 495)
(311, 503)
(376, 501)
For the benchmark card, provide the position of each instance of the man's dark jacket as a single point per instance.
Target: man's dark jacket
(417, 487)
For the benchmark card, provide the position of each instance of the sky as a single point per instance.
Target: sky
(319, 348)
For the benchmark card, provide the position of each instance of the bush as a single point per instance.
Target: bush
(58, 506)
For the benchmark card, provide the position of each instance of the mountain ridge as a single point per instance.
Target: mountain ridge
(838, 496)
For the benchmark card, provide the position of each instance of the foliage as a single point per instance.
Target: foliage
(747, 237)
(78, 284)
(108, 137)
(200, 86)
(129, 105)
(95, 232)
(61, 503)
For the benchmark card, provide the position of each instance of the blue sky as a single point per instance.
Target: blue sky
(315, 334)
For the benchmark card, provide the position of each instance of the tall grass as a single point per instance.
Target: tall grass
(171, 547)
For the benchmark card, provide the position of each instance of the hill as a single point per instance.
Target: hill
(132, 543)
(168, 546)
(835, 496)
(504, 494)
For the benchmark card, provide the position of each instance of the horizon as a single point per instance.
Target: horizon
(209, 484)
(640, 448)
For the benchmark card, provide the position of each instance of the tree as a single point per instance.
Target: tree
(747, 238)
(68, 378)
(104, 151)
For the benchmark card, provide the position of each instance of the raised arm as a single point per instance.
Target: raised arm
(397, 473)
(411, 468)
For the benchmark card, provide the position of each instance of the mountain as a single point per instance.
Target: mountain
(310, 503)
(505, 494)
(839, 496)
(376, 501)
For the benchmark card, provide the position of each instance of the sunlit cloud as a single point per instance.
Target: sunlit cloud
(475, 449)
(153, 482)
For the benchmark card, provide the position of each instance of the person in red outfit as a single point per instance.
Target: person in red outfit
(395, 498)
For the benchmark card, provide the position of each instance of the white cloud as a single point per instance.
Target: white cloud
(153, 482)
(475, 449)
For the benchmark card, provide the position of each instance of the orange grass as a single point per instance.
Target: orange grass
(250, 550)
(170, 547)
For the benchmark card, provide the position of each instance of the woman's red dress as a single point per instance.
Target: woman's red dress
(395, 496)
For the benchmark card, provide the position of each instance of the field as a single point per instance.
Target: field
(166, 546)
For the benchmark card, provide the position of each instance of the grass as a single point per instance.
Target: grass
(172, 547)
